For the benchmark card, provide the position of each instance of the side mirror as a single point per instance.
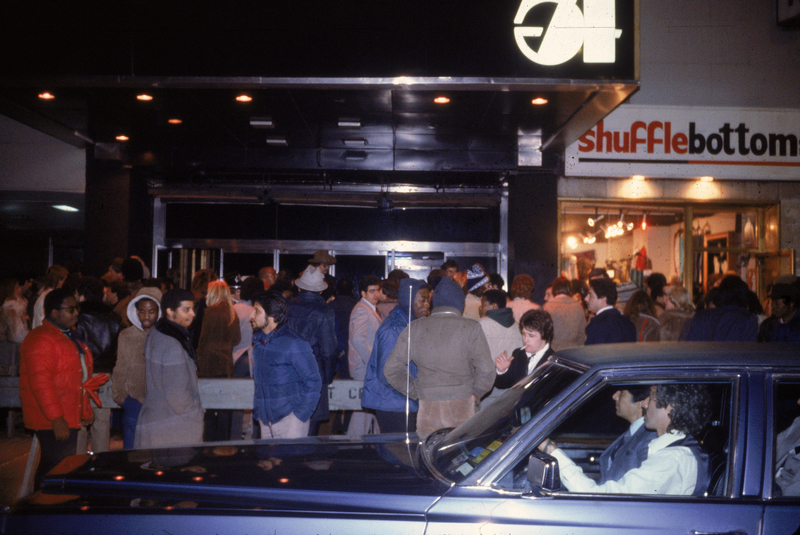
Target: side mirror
(543, 473)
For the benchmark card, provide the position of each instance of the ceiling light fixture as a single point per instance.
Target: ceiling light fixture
(122, 138)
(244, 98)
(572, 242)
(591, 237)
(174, 121)
(262, 122)
(277, 142)
(638, 178)
(539, 101)
(707, 179)
(144, 96)
(441, 100)
(46, 96)
(592, 221)
(65, 208)
(349, 122)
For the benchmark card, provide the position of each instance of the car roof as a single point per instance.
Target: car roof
(683, 354)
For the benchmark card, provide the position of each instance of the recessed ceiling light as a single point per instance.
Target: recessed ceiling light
(144, 96)
(277, 142)
(539, 101)
(707, 178)
(46, 96)
(122, 138)
(174, 121)
(243, 98)
(349, 122)
(65, 208)
(441, 100)
(262, 122)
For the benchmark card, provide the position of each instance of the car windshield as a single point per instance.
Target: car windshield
(469, 444)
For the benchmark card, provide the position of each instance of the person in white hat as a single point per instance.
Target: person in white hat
(315, 321)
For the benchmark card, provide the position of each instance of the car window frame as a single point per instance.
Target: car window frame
(591, 386)
(771, 434)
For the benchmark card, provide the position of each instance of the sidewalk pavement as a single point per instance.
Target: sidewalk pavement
(14, 458)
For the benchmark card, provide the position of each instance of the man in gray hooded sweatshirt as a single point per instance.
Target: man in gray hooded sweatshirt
(454, 364)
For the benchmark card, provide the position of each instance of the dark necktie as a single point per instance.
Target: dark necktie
(625, 439)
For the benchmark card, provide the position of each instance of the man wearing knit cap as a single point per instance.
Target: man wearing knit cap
(414, 297)
(477, 281)
(454, 364)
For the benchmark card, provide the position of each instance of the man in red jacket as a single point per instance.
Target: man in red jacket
(54, 366)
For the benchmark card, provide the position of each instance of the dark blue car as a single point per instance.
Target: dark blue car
(485, 477)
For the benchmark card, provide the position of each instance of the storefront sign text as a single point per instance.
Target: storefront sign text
(689, 142)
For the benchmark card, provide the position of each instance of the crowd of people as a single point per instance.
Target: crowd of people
(430, 352)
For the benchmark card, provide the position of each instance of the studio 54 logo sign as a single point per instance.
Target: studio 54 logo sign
(568, 30)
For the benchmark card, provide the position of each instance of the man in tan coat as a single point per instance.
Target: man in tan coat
(569, 317)
(454, 364)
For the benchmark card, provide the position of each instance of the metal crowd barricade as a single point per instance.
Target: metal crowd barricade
(236, 394)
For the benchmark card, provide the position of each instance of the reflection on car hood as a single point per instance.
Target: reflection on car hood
(326, 471)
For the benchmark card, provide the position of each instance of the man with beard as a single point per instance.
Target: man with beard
(287, 381)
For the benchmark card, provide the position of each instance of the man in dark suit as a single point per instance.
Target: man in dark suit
(630, 448)
(536, 327)
(608, 326)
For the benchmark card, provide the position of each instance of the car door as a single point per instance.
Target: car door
(499, 507)
(782, 450)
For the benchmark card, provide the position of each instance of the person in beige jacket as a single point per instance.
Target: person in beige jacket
(569, 318)
(128, 377)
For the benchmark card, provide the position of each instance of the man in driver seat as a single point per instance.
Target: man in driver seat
(675, 464)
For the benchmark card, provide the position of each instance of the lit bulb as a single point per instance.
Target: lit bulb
(572, 241)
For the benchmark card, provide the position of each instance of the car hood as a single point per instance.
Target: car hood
(332, 473)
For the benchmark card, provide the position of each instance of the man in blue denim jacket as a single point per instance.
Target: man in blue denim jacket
(287, 380)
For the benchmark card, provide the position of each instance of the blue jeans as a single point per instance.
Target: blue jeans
(130, 414)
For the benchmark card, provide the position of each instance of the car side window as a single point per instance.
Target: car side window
(613, 444)
(786, 481)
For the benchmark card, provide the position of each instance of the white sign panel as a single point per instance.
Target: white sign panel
(570, 30)
(673, 142)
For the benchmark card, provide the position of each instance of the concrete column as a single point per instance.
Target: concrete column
(533, 229)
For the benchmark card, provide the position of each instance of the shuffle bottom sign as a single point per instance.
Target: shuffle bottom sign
(667, 142)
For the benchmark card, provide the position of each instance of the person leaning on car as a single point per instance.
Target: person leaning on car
(287, 379)
(675, 462)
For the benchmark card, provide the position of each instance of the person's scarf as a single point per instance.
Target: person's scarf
(182, 335)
